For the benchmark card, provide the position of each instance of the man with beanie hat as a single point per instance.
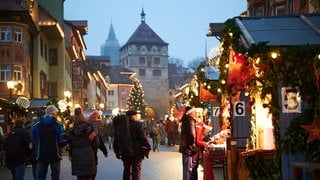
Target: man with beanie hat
(49, 138)
(131, 144)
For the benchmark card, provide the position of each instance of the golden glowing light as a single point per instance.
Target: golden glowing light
(274, 55)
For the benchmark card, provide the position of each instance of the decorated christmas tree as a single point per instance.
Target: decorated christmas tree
(136, 98)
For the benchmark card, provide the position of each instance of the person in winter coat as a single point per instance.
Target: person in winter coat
(188, 146)
(130, 144)
(49, 138)
(155, 134)
(83, 143)
(32, 159)
(95, 121)
(169, 127)
(110, 134)
(18, 147)
(163, 132)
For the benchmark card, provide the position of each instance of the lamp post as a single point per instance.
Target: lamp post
(101, 106)
(67, 95)
(10, 85)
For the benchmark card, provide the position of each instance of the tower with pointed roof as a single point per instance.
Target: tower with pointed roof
(111, 47)
(146, 54)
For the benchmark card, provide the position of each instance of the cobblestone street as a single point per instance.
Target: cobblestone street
(163, 165)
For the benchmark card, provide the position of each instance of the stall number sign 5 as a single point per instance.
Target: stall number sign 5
(239, 108)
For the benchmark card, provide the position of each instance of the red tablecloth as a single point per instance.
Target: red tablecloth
(207, 167)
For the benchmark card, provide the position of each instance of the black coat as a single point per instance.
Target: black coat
(188, 136)
(138, 148)
(17, 146)
(83, 150)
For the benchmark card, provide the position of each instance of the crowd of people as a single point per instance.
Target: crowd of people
(41, 143)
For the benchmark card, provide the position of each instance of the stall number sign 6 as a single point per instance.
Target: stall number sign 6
(239, 108)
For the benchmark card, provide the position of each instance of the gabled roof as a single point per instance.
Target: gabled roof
(145, 35)
(117, 75)
(289, 30)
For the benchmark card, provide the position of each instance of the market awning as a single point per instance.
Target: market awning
(107, 113)
(38, 103)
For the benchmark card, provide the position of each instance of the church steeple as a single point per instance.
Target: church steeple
(143, 16)
(111, 47)
(112, 34)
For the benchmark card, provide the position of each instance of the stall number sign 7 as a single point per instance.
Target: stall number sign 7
(215, 111)
(239, 108)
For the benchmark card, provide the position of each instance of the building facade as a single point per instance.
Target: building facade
(37, 51)
(120, 85)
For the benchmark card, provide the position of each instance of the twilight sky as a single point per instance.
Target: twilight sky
(181, 23)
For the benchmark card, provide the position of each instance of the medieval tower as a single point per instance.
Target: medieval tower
(146, 54)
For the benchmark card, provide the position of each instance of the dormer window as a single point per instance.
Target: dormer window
(143, 49)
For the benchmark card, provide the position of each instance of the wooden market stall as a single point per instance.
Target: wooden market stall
(269, 93)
